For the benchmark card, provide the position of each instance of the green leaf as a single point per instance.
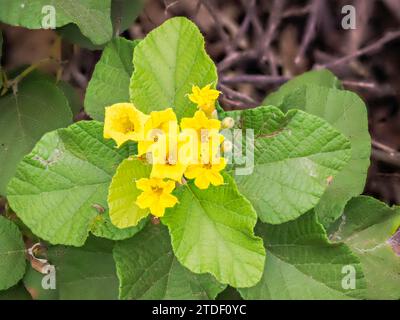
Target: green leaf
(61, 187)
(339, 108)
(91, 16)
(71, 95)
(296, 154)
(12, 254)
(103, 227)
(367, 227)
(111, 77)
(38, 107)
(33, 283)
(123, 13)
(212, 231)
(148, 269)
(229, 293)
(85, 273)
(123, 193)
(323, 78)
(17, 292)
(167, 63)
(303, 264)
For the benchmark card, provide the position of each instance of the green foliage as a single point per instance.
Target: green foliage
(318, 93)
(12, 254)
(33, 283)
(311, 154)
(167, 63)
(17, 292)
(367, 227)
(61, 187)
(148, 269)
(123, 13)
(111, 78)
(37, 107)
(212, 231)
(295, 154)
(1, 53)
(87, 272)
(303, 264)
(91, 16)
(123, 193)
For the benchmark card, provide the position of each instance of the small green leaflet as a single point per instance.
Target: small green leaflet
(367, 227)
(148, 269)
(296, 154)
(212, 231)
(123, 193)
(111, 78)
(91, 16)
(12, 254)
(317, 92)
(303, 265)
(60, 188)
(167, 63)
(38, 107)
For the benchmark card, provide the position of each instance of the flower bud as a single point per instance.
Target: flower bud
(227, 146)
(228, 123)
(214, 114)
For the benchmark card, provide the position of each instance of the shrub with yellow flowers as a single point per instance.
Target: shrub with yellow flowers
(150, 173)
(176, 152)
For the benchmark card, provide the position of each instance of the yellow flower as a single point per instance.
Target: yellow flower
(207, 131)
(124, 122)
(166, 159)
(204, 98)
(159, 122)
(206, 174)
(200, 123)
(156, 195)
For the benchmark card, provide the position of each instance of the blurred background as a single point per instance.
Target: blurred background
(258, 45)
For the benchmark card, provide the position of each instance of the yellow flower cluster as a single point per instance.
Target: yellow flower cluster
(190, 149)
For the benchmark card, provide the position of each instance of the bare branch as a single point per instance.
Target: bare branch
(376, 46)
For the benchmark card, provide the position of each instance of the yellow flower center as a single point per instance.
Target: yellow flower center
(127, 125)
(157, 190)
(208, 166)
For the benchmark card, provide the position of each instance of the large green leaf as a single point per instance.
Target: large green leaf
(61, 187)
(91, 16)
(85, 273)
(296, 155)
(123, 13)
(111, 77)
(323, 78)
(212, 231)
(167, 63)
(148, 269)
(38, 107)
(339, 108)
(303, 264)
(123, 193)
(367, 227)
(12, 254)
